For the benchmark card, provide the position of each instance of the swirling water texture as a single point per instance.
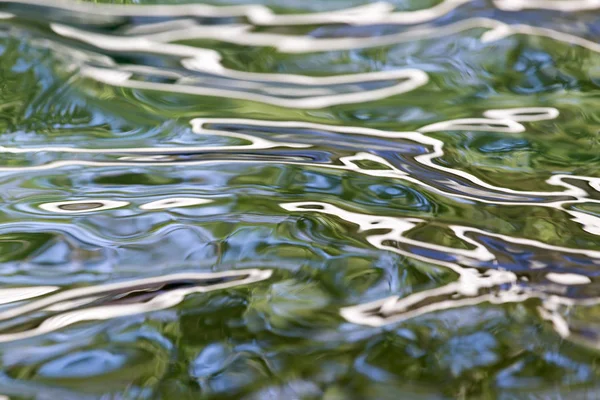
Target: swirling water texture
(299, 199)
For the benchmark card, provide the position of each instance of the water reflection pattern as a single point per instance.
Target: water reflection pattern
(120, 299)
(409, 193)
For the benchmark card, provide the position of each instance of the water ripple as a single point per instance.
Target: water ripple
(193, 195)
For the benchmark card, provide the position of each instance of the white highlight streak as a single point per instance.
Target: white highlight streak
(10, 295)
(174, 202)
(524, 114)
(558, 5)
(99, 205)
(475, 124)
(568, 279)
(372, 13)
(161, 301)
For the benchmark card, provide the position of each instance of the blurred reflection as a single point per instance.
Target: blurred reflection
(84, 206)
(174, 203)
(496, 286)
(10, 295)
(378, 12)
(529, 114)
(122, 299)
(81, 206)
(561, 5)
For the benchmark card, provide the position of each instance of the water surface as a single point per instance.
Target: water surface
(286, 199)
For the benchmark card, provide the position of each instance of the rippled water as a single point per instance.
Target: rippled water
(286, 199)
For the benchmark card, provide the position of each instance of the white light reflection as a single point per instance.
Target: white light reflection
(393, 309)
(397, 227)
(523, 114)
(568, 279)
(158, 41)
(471, 288)
(373, 13)
(477, 193)
(159, 300)
(209, 61)
(11, 295)
(475, 124)
(255, 143)
(82, 206)
(174, 202)
(558, 5)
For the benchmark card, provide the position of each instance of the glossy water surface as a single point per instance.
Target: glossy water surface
(285, 199)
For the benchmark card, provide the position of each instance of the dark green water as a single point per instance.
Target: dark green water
(285, 199)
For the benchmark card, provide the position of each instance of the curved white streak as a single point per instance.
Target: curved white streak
(305, 44)
(137, 10)
(523, 114)
(568, 279)
(414, 79)
(255, 80)
(372, 13)
(63, 320)
(210, 61)
(589, 223)
(399, 226)
(174, 202)
(253, 275)
(557, 5)
(198, 125)
(139, 44)
(160, 302)
(469, 282)
(475, 124)
(362, 314)
(393, 309)
(558, 322)
(157, 27)
(398, 309)
(502, 31)
(372, 222)
(392, 172)
(241, 34)
(256, 143)
(104, 205)
(426, 159)
(460, 231)
(10, 295)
